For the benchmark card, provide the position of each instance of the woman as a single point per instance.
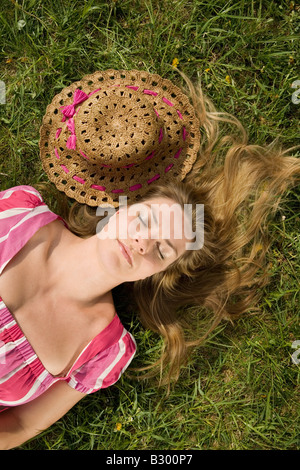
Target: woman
(112, 134)
(57, 299)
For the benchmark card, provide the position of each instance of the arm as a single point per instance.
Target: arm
(23, 422)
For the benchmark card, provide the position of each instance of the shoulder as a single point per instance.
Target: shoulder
(114, 350)
(20, 196)
(22, 213)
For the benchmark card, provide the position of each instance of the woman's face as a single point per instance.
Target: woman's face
(143, 239)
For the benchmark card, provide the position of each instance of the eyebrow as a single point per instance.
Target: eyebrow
(156, 221)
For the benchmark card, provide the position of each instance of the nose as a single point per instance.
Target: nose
(139, 244)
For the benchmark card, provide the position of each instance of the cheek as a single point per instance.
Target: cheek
(151, 267)
(108, 255)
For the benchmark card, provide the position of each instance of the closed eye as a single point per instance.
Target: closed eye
(159, 252)
(144, 220)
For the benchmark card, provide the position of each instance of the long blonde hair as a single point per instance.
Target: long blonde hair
(241, 186)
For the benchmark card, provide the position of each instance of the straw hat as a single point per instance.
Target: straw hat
(117, 133)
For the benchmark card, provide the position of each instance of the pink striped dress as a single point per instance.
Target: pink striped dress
(22, 375)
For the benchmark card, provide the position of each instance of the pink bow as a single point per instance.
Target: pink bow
(71, 142)
(78, 97)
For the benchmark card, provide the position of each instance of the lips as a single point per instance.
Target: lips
(125, 252)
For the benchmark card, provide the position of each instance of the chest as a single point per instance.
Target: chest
(58, 330)
(57, 333)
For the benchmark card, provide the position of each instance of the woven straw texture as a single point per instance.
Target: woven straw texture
(133, 129)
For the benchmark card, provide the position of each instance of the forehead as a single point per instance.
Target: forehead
(160, 207)
(168, 216)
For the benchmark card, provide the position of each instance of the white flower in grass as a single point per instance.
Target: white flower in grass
(21, 24)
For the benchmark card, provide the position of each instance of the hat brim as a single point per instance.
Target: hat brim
(95, 185)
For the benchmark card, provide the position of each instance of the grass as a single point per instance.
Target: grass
(240, 390)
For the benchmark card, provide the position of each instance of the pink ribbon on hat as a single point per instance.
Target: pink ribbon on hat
(78, 97)
(71, 142)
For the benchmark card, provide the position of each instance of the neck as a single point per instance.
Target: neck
(76, 272)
